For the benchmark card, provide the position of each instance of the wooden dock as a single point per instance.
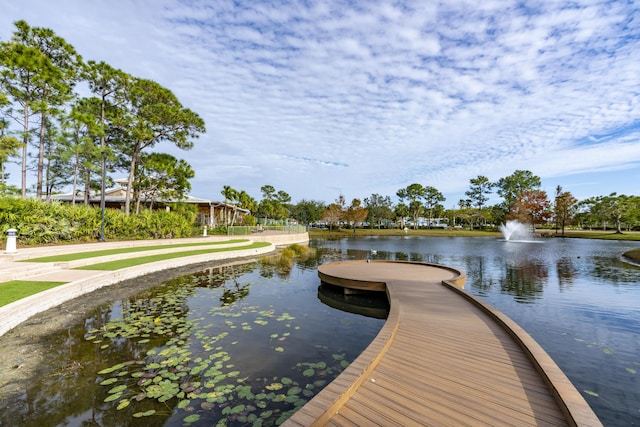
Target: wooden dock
(443, 358)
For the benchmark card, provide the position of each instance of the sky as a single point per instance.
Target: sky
(322, 98)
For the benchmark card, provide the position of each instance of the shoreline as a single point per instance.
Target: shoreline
(545, 233)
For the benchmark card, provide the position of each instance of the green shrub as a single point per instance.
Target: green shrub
(39, 222)
(633, 255)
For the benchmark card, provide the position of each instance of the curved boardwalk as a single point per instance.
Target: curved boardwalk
(443, 358)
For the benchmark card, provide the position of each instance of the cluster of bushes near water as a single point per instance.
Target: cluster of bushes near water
(40, 223)
(633, 255)
(286, 257)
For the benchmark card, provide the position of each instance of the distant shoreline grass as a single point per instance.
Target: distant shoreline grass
(633, 255)
(368, 232)
(550, 233)
(596, 234)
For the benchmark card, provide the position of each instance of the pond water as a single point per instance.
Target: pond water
(575, 297)
(247, 345)
(235, 345)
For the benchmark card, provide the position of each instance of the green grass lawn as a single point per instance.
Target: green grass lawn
(18, 289)
(93, 254)
(130, 262)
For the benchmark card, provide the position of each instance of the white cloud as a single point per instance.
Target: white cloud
(372, 96)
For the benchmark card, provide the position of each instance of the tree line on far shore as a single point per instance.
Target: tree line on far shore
(522, 200)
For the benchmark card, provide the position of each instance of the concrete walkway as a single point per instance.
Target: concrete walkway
(16, 266)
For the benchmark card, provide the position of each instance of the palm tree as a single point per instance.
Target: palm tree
(246, 201)
(229, 195)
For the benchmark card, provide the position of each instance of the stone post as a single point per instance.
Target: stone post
(11, 241)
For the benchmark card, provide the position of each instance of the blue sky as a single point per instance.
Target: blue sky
(322, 98)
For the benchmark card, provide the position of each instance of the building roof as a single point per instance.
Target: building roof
(116, 195)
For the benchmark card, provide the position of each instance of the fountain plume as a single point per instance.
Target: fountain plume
(515, 231)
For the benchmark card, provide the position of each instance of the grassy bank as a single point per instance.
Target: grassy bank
(17, 289)
(92, 254)
(597, 234)
(633, 255)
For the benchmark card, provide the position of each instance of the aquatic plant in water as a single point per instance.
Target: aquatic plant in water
(183, 366)
(285, 259)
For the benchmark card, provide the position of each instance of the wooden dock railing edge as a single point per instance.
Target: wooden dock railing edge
(573, 405)
(327, 402)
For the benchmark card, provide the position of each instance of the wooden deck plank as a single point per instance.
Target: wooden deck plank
(425, 412)
(467, 384)
(500, 372)
(442, 358)
(438, 392)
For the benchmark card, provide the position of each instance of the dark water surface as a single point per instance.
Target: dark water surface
(574, 296)
(241, 345)
(247, 345)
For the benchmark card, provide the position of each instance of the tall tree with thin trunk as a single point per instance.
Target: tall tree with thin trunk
(154, 115)
(108, 84)
(55, 84)
(81, 131)
(564, 208)
(9, 147)
(229, 196)
(20, 66)
(41, 69)
(432, 198)
(479, 189)
(414, 194)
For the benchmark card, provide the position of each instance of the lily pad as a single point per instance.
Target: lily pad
(274, 386)
(237, 409)
(112, 369)
(192, 418)
(113, 397)
(123, 404)
(294, 390)
(118, 389)
(145, 413)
